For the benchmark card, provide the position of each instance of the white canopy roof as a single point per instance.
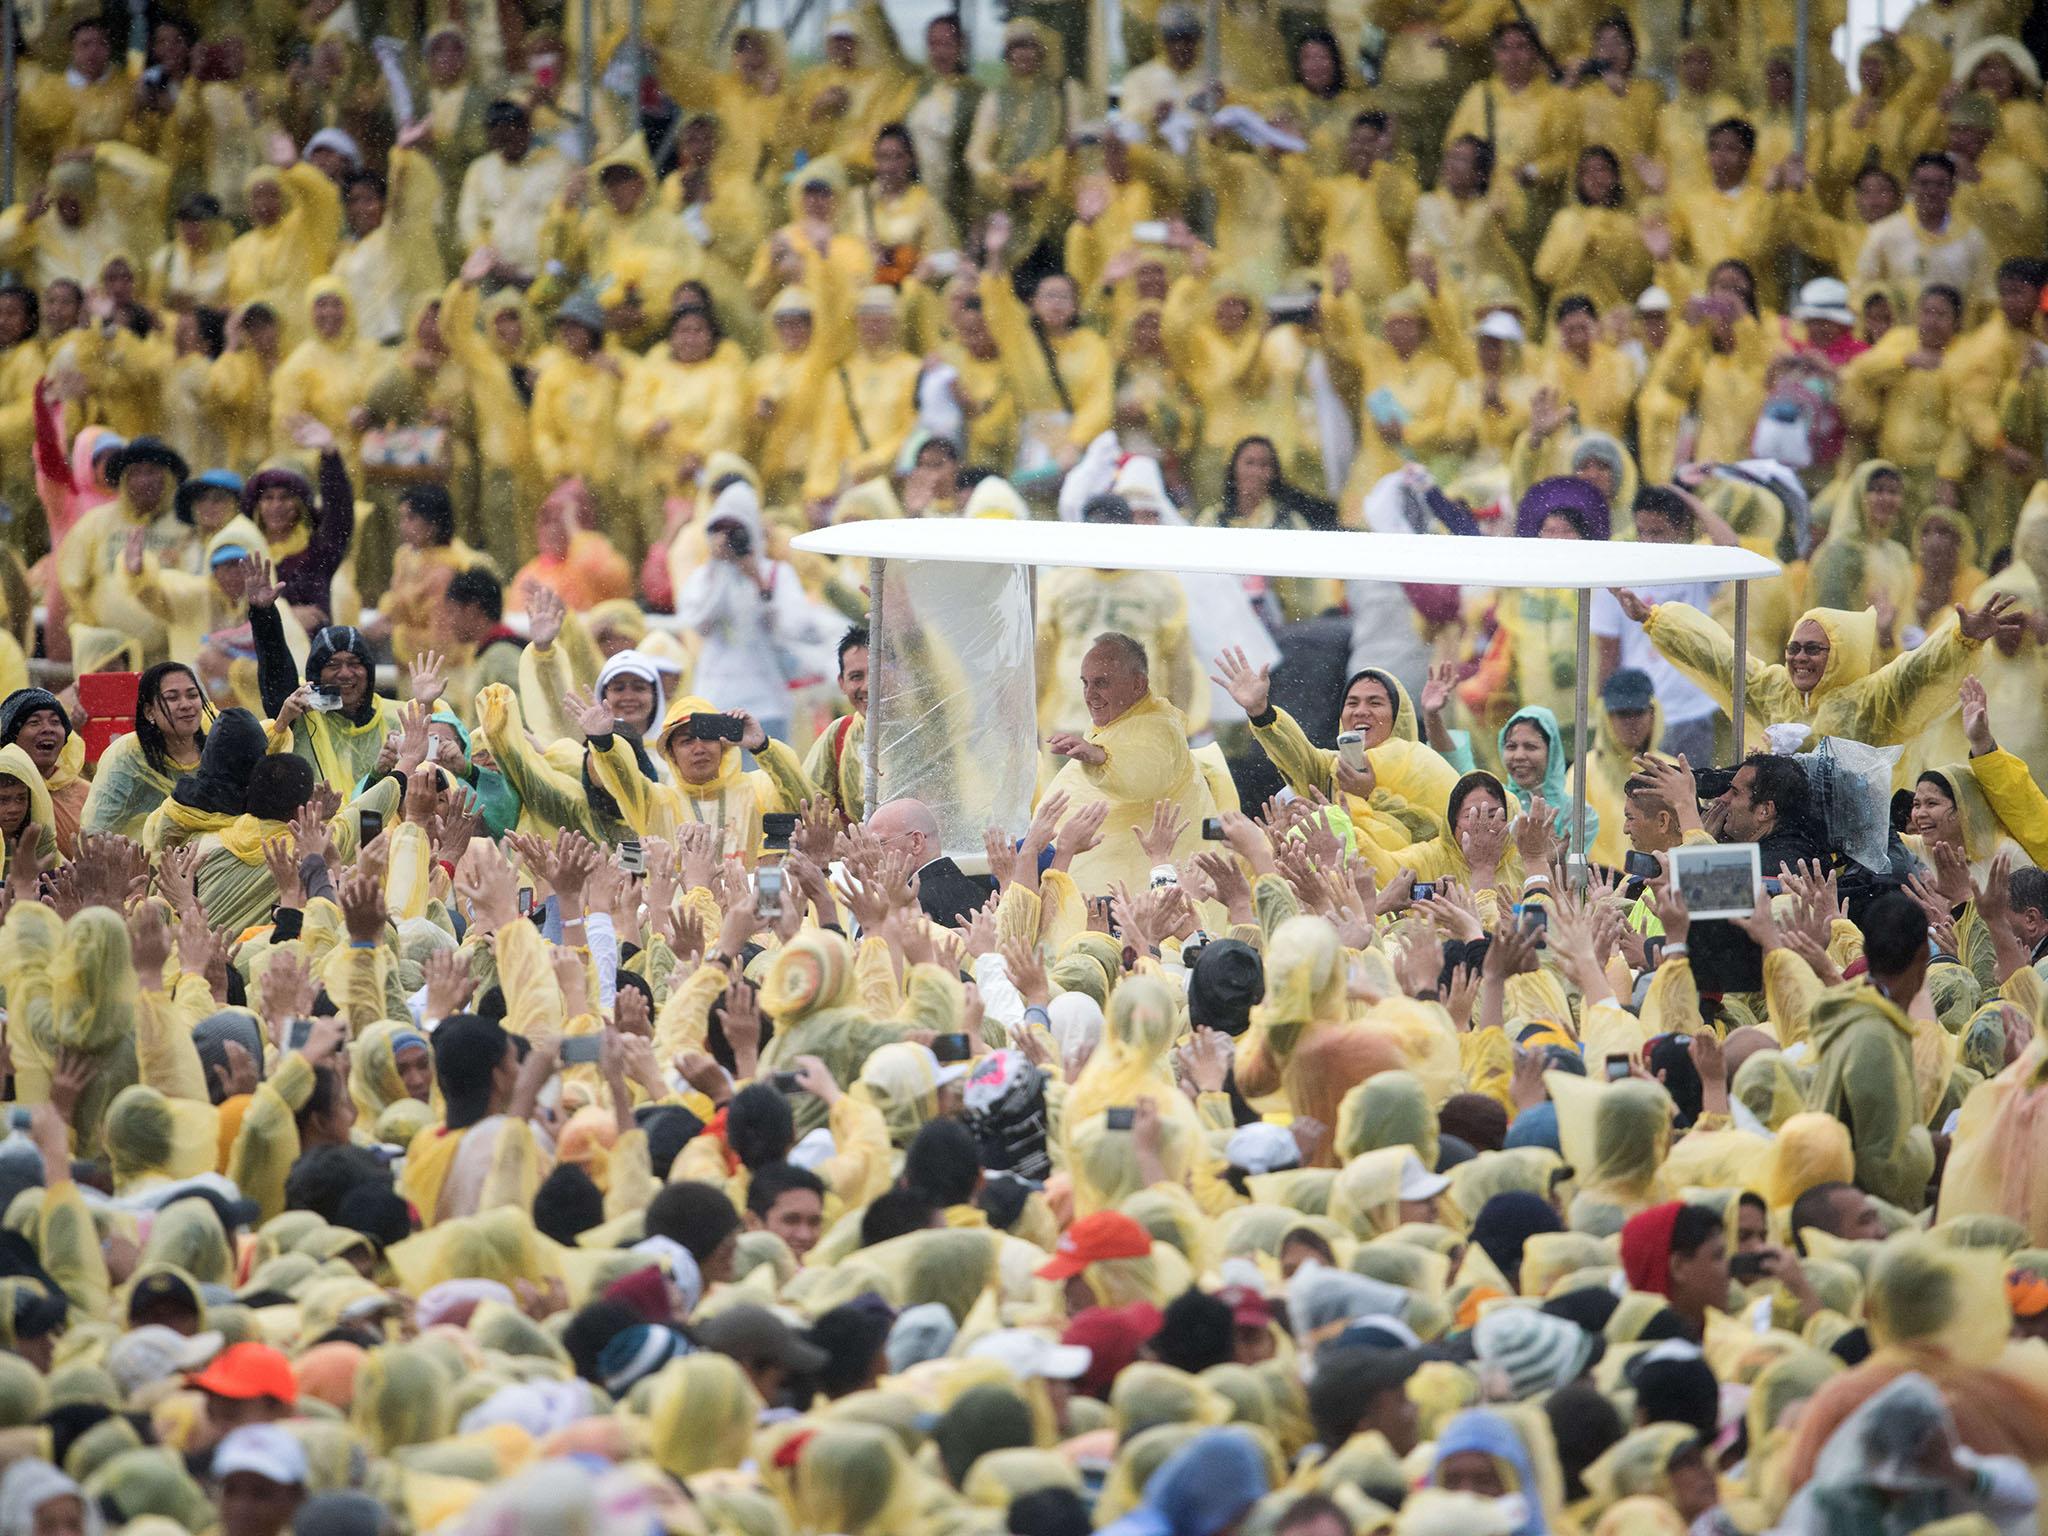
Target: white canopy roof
(1343, 555)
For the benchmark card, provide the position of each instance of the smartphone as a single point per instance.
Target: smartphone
(1120, 1118)
(1748, 1268)
(1534, 918)
(1422, 890)
(1641, 866)
(324, 698)
(526, 901)
(776, 828)
(716, 727)
(1100, 911)
(1653, 953)
(632, 857)
(300, 1032)
(581, 1050)
(1773, 886)
(372, 825)
(786, 1082)
(1212, 829)
(768, 891)
(951, 1048)
(1351, 751)
(1617, 1069)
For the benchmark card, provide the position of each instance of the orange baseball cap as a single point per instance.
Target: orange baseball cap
(2027, 1292)
(1104, 1235)
(248, 1371)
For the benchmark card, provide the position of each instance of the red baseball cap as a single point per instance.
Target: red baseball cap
(1112, 1336)
(1104, 1235)
(248, 1371)
(1248, 1309)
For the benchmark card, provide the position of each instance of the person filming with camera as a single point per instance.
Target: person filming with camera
(750, 609)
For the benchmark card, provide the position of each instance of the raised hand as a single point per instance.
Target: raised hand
(1002, 857)
(288, 992)
(1977, 717)
(818, 825)
(310, 433)
(149, 944)
(259, 581)
(429, 671)
(1167, 828)
(283, 865)
(545, 615)
(697, 858)
(449, 983)
(1026, 971)
(1251, 690)
(1226, 878)
(362, 906)
(1631, 605)
(1981, 623)
(590, 714)
(1079, 833)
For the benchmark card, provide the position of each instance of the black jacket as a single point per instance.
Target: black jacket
(949, 897)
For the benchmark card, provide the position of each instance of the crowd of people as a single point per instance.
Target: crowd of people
(478, 1059)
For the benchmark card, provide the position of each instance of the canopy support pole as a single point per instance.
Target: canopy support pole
(1800, 67)
(636, 24)
(871, 781)
(587, 45)
(1576, 858)
(7, 45)
(1741, 675)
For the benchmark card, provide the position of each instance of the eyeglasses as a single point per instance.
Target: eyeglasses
(1807, 648)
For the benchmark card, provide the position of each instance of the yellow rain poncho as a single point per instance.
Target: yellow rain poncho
(1810, 1149)
(852, 1480)
(373, 1080)
(1148, 762)
(813, 995)
(1616, 1135)
(187, 1236)
(900, 1082)
(731, 802)
(1770, 1087)
(1853, 564)
(1390, 1109)
(701, 1415)
(403, 1397)
(151, 1139)
(1854, 697)
(1864, 1077)
(1299, 1043)
(1366, 1196)
(16, 764)
(322, 377)
(1995, 1161)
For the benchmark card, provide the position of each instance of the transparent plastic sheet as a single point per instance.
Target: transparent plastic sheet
(1852, 786)
(953, 709)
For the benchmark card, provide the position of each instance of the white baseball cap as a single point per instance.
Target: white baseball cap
(1501, 325)
(144, 1356)
(1825, 298)
(1262, 1148)
(1027, 1354)
(265, 1450)
(1418, 1183)
(1653, 301)
(944, 1072)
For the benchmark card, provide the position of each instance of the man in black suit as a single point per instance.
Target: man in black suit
(947, 896)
